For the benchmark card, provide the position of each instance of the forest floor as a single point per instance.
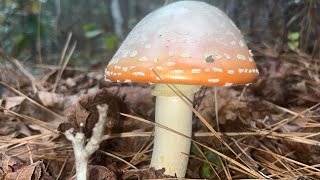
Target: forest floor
(272, 125)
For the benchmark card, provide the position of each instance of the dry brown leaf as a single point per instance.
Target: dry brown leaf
(24, 129)
(35, 127)
(10, 75)
(8, 125)
(137, 96)
(51, 100)
(230, 108)
(70, 83)
(85, 111)
(34, 171)
(10, 163)
(14, 101)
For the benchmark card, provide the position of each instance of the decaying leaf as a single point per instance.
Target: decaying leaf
(35, 171)
(10, 163)
(137, 96)
(230, 108)
(51, 100)
(14, 101)
(85, 111)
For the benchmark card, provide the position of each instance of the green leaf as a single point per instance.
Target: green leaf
(294, 45)
(35, 7)
(206, 171)
(20, 43)
(89, 27)
(93, 33)
(213, 158)
(195, 150)
(111, 42)
(294, 36)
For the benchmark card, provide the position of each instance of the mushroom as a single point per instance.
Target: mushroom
(186, 44)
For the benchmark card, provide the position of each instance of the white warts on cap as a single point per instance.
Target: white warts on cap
(160, 68)
(255, 71)
(213, 80)
(241, 57)
(250, 52)
(138, 74)
(228, 84)
(155, 59)
(125, 54)
(217, 56)
(133, 53)
(127, 81)
(114, 61)
(125, 69)
(171, 63)
(143, 59)
(195, 71)
(178, 71)
(228, 56)
(230, 71)
(215, 69)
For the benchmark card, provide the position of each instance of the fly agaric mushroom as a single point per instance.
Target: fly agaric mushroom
(186, 44)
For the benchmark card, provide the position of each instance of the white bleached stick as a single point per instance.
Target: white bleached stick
(83, 150)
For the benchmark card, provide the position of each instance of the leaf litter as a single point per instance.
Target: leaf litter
(271, 126)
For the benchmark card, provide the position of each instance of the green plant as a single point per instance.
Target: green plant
(110, 40)
(24, 23)
(294, 38)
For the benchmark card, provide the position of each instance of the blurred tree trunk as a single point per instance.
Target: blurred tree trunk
(263, 19)
(117, 18)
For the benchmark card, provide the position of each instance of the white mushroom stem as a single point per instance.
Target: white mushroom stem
(170, 149)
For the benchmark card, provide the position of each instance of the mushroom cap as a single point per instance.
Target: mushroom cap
(186, 42)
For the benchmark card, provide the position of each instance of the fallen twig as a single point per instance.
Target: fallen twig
(83, 150)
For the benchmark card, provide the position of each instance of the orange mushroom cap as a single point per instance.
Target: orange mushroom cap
(184, 43)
